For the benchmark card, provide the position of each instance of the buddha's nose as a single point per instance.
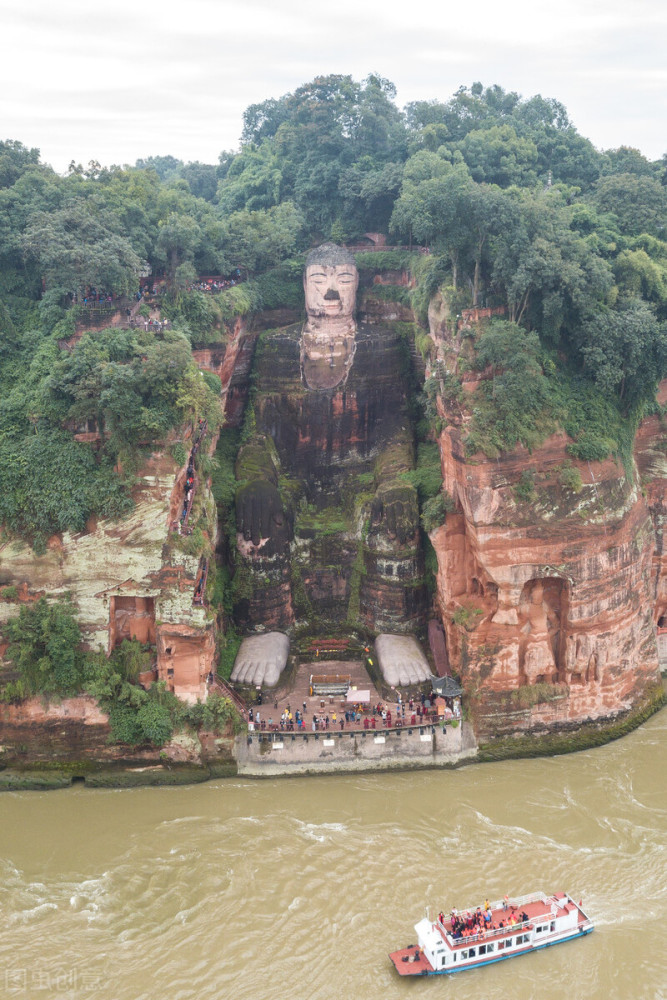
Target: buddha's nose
(331, 294)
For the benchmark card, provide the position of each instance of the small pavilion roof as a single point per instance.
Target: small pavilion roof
(446, 687)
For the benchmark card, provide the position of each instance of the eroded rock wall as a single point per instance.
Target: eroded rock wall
(555, 593)
(651, 456)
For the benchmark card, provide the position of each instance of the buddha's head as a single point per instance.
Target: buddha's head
(330, 284)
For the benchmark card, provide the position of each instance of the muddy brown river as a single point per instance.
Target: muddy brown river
(299, 888)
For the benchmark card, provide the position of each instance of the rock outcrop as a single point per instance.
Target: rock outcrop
(651, 456)
(126, 581)
(548, 603)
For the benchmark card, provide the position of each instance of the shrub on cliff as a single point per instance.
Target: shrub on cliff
(44, 647)
(196, 312)
(130, 387)
(135, 716)
(155, 723)
(53, 483)
(511, 405)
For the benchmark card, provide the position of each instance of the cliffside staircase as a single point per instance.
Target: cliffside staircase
(228, 692)
(417, 361)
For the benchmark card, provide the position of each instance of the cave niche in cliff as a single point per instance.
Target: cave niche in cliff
(131, 618)
(542, 612)
(185, 658)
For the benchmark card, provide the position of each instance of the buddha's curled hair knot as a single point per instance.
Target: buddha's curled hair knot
(330, 254)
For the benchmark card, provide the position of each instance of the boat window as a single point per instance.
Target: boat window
(471, 952)
(552, 926)
(538, 930)
(482, 949)
(490, 948)
(501, 945)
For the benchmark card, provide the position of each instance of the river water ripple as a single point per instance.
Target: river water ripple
(299, 888)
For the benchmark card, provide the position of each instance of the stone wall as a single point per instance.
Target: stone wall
(310, 753)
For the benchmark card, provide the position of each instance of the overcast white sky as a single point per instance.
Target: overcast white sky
(115, 81)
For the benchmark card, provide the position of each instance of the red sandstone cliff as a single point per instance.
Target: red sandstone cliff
(557, 593)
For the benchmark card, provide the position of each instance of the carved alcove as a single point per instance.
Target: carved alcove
(542, 613)
(131, 618)
(185, 657)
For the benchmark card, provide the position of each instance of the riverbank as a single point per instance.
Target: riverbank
(192, 760)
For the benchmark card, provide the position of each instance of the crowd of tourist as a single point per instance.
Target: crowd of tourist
(92, 298)
(413, 712)
(477, 923)
(181, 526)
(215, 284)
(200, 585)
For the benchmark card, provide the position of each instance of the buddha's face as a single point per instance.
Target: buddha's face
(331, 290)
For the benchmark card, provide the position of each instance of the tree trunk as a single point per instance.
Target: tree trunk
(475, 283)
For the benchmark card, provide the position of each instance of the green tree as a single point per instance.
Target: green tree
(497, 155)
(625, 351)
(549, 274)
(638, 202)
(77, 246)
(639, 275)
(178, 238)
(514, 398)
(434, 209)
(44, 643)
(255, 241)
(15, 158)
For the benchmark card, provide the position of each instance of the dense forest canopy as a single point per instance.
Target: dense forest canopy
(517, 208)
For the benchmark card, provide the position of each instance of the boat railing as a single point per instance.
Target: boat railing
(485, 935)
(532, 897)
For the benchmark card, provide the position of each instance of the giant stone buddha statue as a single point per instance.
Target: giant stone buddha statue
(327, 527)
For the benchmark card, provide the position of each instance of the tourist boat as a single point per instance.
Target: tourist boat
(550, 920)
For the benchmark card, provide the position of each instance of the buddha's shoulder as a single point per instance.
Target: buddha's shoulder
(285, 334)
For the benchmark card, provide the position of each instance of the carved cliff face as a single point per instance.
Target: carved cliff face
(330, 285)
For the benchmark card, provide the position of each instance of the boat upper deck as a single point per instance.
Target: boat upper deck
(506, 917)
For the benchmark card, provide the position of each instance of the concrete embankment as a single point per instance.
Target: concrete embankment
(279, 754)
